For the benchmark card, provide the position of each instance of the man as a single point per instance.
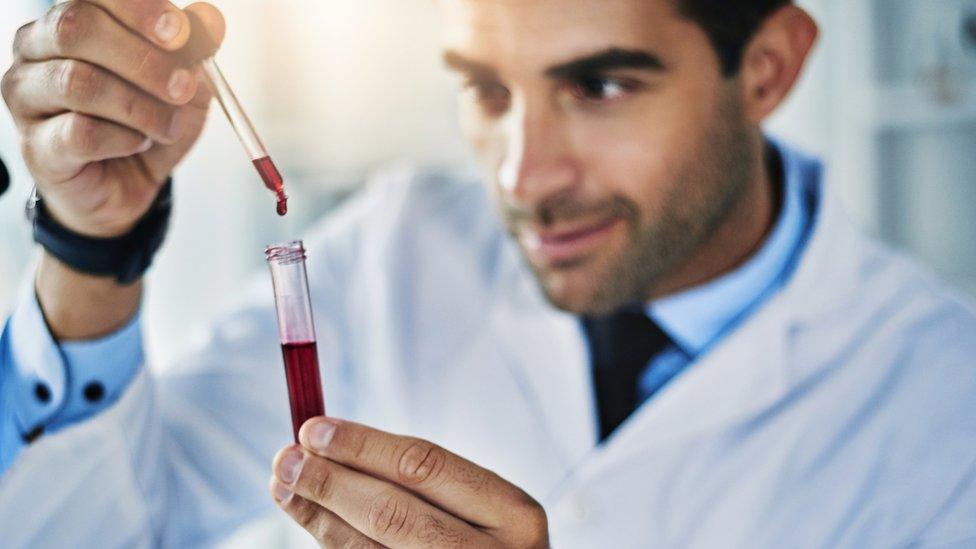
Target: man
(683, 343)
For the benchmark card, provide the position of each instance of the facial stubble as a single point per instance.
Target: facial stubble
(707, 190)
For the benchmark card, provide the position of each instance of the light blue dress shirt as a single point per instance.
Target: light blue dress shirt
(700, 317)
(65, 383)
(58, 391)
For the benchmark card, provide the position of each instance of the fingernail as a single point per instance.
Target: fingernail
(320, 434)
(176, 126)
(281, 492)
(179, 83)
(290, 466)
(145, 146)
(168, 27)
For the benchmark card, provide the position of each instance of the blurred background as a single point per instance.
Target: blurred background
(889, 101)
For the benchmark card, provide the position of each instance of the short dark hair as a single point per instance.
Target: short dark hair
(730, 25)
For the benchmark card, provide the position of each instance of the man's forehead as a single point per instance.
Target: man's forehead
(553, 29)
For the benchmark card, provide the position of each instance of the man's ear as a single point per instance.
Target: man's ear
(773, 60)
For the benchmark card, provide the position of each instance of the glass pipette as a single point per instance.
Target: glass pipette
(246, 133)
(202, 47)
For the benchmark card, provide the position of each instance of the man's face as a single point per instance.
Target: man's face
(614, 145)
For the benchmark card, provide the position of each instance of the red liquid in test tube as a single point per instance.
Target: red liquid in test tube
(296, 332)
(304, 383)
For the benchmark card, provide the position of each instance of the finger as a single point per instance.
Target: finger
(324, 525)
(188, 123)
(441, 477)
(157, 20)
(61, 147)
(52, 87)
(384, 512)
(83, 31)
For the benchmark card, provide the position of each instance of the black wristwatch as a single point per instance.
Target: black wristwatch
(126, 257)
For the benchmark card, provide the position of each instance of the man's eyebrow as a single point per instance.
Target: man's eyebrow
(459, 63)
(608, 59)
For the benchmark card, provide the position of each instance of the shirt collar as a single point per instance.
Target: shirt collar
(698, 317)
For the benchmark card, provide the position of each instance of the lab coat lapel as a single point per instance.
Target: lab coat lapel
(743, 374)
(545, 351)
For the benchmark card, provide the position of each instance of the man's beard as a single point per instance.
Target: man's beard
(705, 195)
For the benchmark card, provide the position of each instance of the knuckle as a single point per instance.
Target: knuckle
(11, 79)
(20, 38)
(304, 513)
(434, 533)
(79, 81)
(132, 110)
(146, 115)
(72, 22)
(146, 61)
(421, 462)
(328, 529)
(28, 150)
(536, 524)
(80, 133)
(390, 516)
(358, 444)
(322, 486)
(150, 69)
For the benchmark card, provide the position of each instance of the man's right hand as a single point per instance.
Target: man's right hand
(105, 111)
(104, 108)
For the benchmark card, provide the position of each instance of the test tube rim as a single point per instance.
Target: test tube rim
(286, 253)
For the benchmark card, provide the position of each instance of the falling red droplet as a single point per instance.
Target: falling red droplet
(282, 206)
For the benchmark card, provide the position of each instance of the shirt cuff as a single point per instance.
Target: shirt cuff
(55, 385)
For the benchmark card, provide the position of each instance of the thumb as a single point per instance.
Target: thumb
(206, 34)
(212, 19)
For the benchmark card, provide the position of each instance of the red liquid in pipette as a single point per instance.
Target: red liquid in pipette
(304, 383)
(273, 181)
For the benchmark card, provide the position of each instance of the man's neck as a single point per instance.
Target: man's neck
(738, 238)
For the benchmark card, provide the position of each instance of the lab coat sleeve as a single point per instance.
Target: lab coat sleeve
(184, 456)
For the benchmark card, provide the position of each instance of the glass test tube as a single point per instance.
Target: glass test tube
(296, 332)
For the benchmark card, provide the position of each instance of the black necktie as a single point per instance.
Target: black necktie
(621, 346)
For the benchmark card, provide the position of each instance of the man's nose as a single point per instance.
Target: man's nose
(537, 162)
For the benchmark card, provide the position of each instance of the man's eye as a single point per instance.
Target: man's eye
(601, 88)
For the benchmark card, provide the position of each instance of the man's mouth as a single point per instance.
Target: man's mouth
(566, 244)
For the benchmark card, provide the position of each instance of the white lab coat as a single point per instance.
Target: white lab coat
(841, 414)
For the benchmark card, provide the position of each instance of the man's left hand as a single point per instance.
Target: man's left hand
(350, 485)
